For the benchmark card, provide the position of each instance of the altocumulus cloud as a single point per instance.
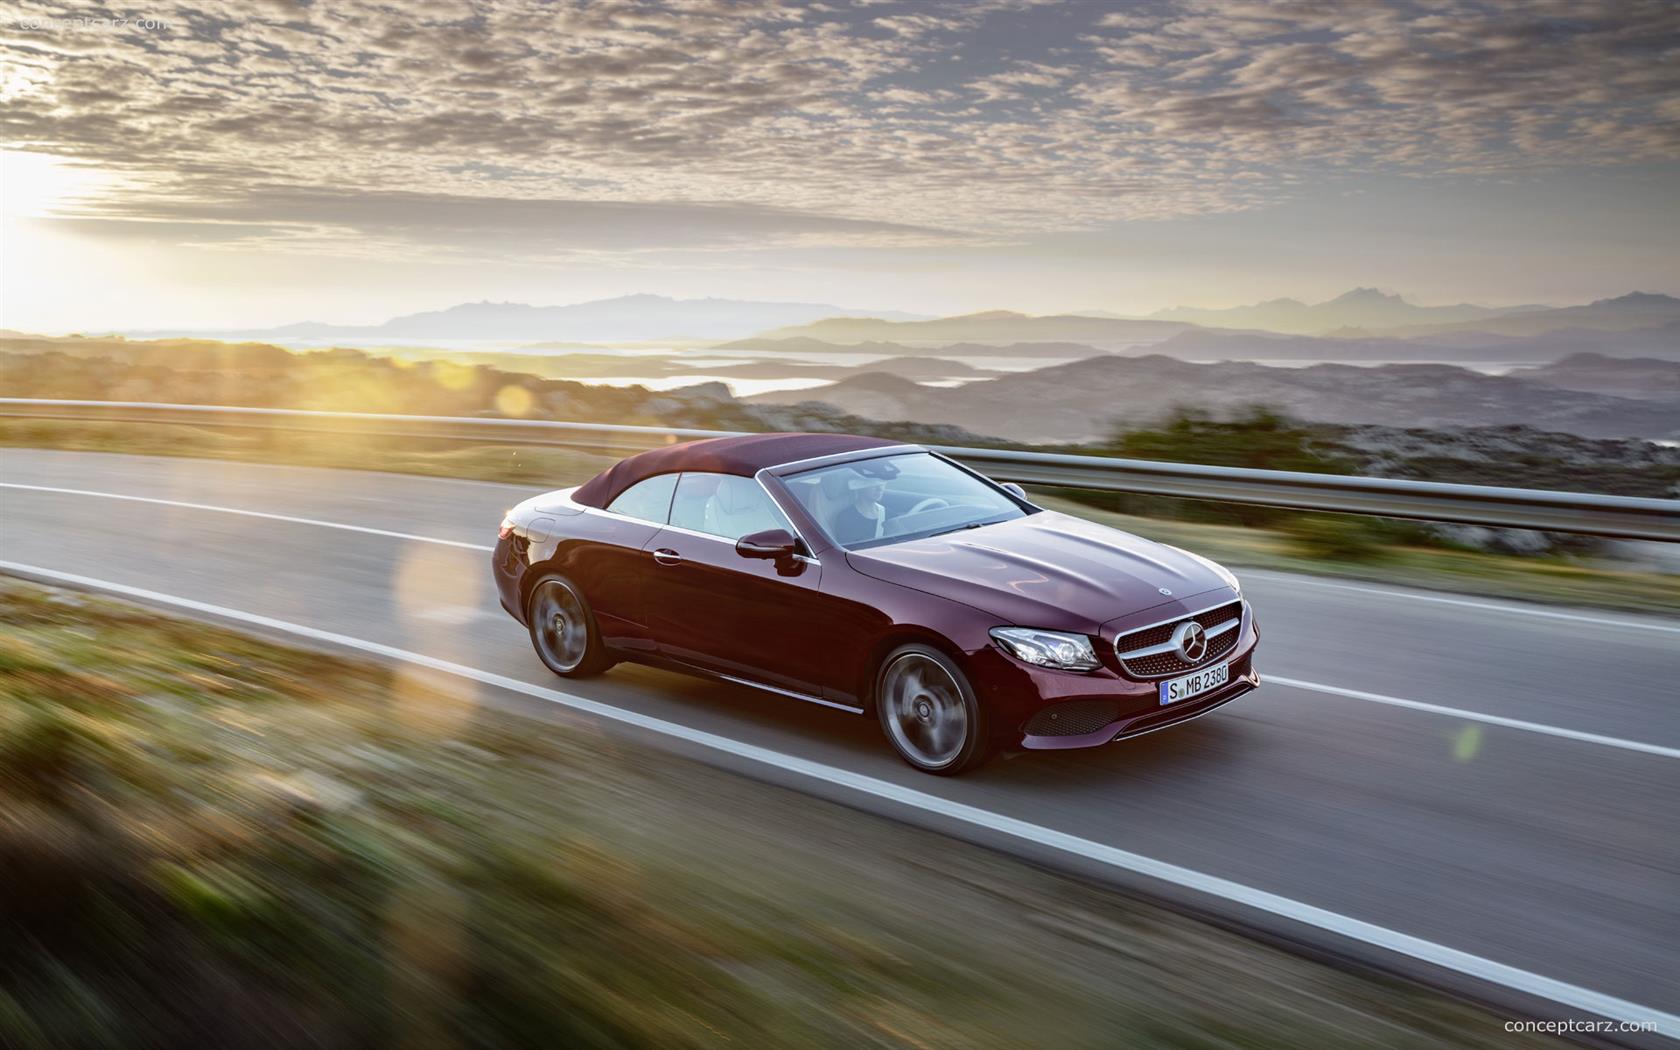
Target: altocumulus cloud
(621, 126)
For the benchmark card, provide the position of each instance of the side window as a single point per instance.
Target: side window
(724, 505)
(648, 499)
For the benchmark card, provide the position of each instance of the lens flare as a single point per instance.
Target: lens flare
(513, 400)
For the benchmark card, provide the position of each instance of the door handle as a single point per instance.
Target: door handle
(667, 556)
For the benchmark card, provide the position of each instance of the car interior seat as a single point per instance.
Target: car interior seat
(693, 499)
(739, 508)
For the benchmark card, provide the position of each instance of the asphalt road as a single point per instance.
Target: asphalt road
(1377, 773)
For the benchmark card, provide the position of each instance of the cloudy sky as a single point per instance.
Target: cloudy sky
(259, 163)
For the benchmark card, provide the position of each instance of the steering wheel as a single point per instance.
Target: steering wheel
(931, 503)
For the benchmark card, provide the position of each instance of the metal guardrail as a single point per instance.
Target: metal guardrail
(1625, 517)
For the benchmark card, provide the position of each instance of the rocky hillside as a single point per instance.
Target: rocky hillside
(1346, 346)
(1207, 345)
(1086, 399)
(1519, 456)
(1642, 378)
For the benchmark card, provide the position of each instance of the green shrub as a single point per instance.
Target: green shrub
(1338, 538)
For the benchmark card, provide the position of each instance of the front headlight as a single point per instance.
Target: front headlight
(1065, 652)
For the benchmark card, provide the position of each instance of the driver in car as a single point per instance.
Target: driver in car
(864, 517)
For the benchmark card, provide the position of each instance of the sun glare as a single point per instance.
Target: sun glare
(34, 185)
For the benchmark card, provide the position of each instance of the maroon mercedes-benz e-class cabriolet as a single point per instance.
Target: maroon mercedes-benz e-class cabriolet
(877, 577)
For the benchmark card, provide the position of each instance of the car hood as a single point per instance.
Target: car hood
(1044, 570)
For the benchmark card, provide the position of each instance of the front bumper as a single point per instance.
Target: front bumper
(1149, 721)
(1035, 709)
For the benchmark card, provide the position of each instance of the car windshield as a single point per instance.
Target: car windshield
(867, 503)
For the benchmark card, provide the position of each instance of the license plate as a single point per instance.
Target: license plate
(1175, 689)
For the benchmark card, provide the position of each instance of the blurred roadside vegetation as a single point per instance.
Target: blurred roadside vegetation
(1512, 563)
(1263, 439)
(1259, 440)
(211, 840)
(1344, 550)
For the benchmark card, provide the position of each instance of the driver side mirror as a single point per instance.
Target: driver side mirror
(1013, 489)
(771, 543)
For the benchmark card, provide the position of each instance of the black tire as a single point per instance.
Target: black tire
(563, 630)
(929, 712)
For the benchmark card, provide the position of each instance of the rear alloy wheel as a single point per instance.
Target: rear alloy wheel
(929, 712)
(563, 630)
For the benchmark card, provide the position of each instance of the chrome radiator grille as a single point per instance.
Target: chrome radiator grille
(1149, 652)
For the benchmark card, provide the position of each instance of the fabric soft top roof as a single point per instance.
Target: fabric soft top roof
(745, 455)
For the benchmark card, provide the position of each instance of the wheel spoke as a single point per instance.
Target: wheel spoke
(924, 709)
(938, 737)
(559, 626)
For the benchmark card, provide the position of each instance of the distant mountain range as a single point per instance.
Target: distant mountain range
(1623, 313)
(1366, 312)
(1363, 308)
(1206, 344)
(1361, 315)
(805, 345)
(992, 327)
(1212, 344)
(1083, 400)
(1363, 324)
(627, 318)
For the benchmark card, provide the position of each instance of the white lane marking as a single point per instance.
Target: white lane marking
(1466, 963)
(1470, 603)
(1352, 694)
(1503, 607)
(1476, 716)
(453, 615)
(248, 514)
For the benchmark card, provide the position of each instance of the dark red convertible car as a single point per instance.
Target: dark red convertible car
(877, 577)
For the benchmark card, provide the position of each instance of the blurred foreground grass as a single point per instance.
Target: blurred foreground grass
(1309, 544)
(207, 839)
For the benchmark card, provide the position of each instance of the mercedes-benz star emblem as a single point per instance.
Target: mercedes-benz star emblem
(1191, 641)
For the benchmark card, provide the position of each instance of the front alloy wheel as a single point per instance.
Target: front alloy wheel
(563, 630)
(929, 712)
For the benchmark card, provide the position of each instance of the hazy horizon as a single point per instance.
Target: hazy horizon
(856, 309)
(197, 168)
